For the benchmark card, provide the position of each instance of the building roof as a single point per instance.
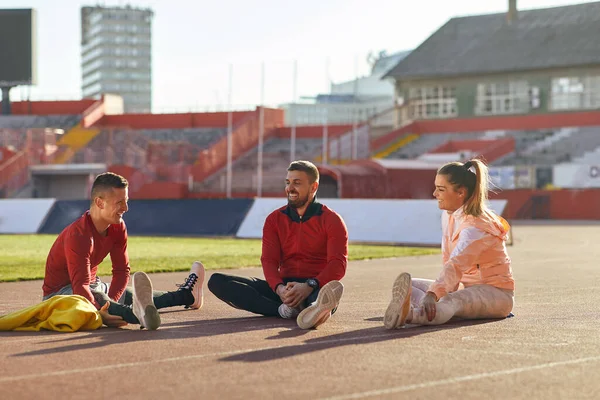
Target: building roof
(387, 62)
(544, 38)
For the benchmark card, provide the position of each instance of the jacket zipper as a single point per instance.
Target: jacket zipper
(298, 244)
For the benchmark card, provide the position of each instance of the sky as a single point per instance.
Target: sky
(196, 42)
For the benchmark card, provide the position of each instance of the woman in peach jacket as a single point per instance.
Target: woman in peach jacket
(476, 279)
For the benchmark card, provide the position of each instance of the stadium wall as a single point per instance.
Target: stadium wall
(368, 220)
(576, 176)
(408, 222)
(208, 217)
(23, 216)
(564, 204)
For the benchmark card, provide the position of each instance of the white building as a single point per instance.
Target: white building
(351, 101)
(116, 55)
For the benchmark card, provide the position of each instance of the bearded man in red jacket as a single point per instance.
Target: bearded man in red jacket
(304, 257)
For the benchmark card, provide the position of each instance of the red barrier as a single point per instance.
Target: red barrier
(14, 174)
(368, 179)
(563, 204)
(162, 190)
(174, 121)
(70, 107)
(489, 150)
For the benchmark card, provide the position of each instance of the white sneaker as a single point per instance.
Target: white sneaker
(320, 311)
(143, 303)
(195, 283)
(397, 311)
(287, 312)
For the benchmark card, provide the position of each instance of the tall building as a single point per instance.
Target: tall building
(116, 55)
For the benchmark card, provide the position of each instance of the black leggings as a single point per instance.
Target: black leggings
(251, 294)
(161, 300)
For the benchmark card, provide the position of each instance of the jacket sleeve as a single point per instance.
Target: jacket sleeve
(78, 249)
(471, 243)
(120, 264)
(337, 250)
(271, 252)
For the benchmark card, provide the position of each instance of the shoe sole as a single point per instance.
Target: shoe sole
(143, 303)
(397, 311)
(199, 301)
(328, 299)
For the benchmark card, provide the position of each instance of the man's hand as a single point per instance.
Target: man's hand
(112, 321)
(428, 304)
(281, 292)
(296, 293)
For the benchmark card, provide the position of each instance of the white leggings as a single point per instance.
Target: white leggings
(474, 302)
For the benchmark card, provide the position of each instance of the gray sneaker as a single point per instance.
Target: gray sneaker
(397, 311)
(143, 303)
(320, 311)
(287, 312)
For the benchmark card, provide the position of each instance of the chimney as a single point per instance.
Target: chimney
(511, 15)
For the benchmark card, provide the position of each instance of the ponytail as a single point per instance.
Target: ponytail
(476, 203)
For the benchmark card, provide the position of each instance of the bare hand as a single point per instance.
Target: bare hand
(428, 304)
(297, 293)
(113, 321)
(281, 292)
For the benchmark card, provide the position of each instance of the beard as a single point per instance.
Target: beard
(299, 202)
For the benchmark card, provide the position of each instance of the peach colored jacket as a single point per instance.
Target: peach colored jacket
(473, 252)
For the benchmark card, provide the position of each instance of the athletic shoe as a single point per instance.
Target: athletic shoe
(287, 312)
(320, 311)
(397, 311)
(143, 304)
(195, 283)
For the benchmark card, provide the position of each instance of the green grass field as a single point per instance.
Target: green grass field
(23, 257)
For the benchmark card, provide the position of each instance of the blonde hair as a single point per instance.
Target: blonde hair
(476, 183)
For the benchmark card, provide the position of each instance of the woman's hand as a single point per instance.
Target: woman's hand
(428, 305)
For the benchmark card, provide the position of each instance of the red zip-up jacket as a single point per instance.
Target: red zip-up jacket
(314, 246)
(76, 254)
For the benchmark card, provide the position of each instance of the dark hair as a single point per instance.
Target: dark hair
(305, 166)
(107, 181)
(476, 183)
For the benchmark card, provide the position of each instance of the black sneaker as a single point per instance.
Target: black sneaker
(195, 283)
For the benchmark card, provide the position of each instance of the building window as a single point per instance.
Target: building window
(502, 98)
(572, 93)
(431, 102)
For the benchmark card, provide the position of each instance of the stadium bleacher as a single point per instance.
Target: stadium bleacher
(39, 121)
(428, 142)
(276, 158)
(201, 137)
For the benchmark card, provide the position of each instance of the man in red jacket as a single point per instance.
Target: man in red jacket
(73, 261)
(304, 255)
